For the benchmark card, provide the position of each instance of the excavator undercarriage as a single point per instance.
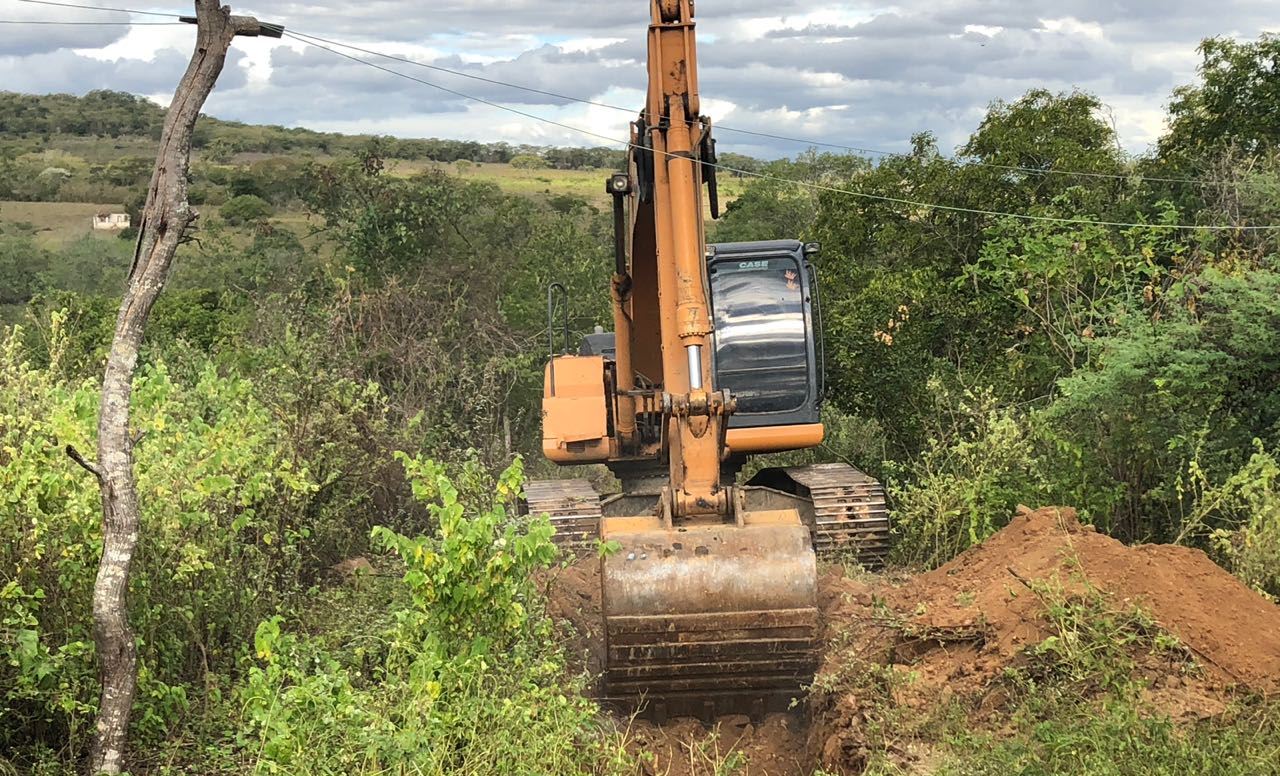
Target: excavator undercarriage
(844, 509)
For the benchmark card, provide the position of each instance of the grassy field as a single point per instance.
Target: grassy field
(99, 150)
(584, 184)
(57, 223)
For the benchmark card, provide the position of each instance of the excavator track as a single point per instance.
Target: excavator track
(850, 513)
(574, 509)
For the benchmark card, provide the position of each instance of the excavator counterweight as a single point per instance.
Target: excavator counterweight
(709, 585)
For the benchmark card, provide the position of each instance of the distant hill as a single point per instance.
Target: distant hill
(60, 149)
(110, 114)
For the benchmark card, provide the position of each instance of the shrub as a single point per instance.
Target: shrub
(976, 468)
(471, 682)
(209, 472)
(1197, 382)
(528, 162)
(231, 520)
(1239, 519)
(245, 208)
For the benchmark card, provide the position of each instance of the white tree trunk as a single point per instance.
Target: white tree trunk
(164, 221)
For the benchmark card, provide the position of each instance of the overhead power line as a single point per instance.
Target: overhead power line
(89, 24)
(793, 181)
(738, 130)
(472, 76)
(723, 127)
(100, 8)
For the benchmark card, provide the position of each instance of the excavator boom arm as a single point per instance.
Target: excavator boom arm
(671, 256)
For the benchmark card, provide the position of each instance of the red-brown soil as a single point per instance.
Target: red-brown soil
(776, 746)
(1233, 632)
(573, 596)
(958, 629)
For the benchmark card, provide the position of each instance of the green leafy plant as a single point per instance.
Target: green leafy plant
(1240, 517)
(245, 208)
(469, 582)
(966, 483)
(1093, 642)
(472, 681)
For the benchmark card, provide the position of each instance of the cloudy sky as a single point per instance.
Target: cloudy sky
(858, 73)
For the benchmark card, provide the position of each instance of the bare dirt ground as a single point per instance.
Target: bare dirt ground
(957, 631)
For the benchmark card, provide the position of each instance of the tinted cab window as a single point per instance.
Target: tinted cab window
(761, 353)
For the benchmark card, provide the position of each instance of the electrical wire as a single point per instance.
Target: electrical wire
(793, 181)
(455, 92)
(472, 76)
(100, 8)
(738, 130)
(722, 127)
(91, 24)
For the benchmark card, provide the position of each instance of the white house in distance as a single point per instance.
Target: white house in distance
(110, 221)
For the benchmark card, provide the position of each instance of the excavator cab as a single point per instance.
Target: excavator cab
(767, 344)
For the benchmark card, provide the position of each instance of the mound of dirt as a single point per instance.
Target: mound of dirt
(953, 633)
(1231, 630)
(957, 630)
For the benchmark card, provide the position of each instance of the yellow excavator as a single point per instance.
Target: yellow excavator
(709, 594)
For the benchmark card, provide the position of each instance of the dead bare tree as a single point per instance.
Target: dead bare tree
(165, 220)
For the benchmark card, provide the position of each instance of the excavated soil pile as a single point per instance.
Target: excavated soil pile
(956, 630)
(1231, 630)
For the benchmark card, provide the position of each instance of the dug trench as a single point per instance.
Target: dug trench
(969, 637)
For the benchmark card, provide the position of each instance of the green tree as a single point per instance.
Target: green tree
(127, 171)
(218, 151)
(1234, 105)
(528, 162)
(774, 209)
(1020, 142)
(904, 304)
(1197, 382)
(22, 264)
(245, 209)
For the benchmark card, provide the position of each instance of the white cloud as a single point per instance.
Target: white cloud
(858, 72)
(580, 45)
(984, 29)
(1071, 26)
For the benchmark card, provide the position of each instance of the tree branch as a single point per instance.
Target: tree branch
(75, 455)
